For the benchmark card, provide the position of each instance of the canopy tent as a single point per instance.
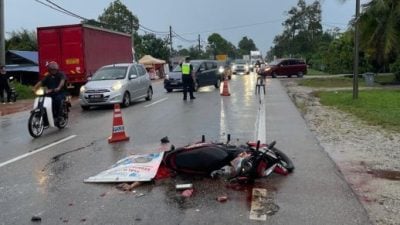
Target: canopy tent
(150, 60)
(154, 66)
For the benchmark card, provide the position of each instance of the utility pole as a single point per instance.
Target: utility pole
(199, 44)
(356, 51)
(170, 37)
(2, 39)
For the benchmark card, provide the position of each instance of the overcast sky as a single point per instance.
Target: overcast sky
(260, 20)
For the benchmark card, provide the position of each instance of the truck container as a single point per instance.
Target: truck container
(81, 49)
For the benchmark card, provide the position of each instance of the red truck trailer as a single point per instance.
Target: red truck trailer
(81, 49)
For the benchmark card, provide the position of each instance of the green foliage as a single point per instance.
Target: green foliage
(118, 17)
(218, 45)
(22, 40)
(245, 46)
(302, 32)
(149, 44)
(24, 91)
(395, 69)
(377, 107)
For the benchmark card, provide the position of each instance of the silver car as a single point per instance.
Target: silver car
(118, 83)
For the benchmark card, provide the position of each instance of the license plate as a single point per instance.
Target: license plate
(95, 96)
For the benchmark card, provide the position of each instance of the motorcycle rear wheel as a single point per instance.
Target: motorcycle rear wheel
(285, 160)
(63, 120)
(36, 124)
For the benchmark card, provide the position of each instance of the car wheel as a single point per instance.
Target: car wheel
(289, 76)
(218, 83)
(273, 75)
(149, 94)
(230, 77)
(300, 74)
(126, 101)
(85, 107)
(169, 90)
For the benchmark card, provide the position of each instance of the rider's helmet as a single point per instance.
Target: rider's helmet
(53, 66)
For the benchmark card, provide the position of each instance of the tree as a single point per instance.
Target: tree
(22, 40)
(218, 45)
(149, 44)
(118, 17)
(302, 32)
(246, 45)
(380, 26)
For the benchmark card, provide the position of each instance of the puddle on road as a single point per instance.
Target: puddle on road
(386, 174)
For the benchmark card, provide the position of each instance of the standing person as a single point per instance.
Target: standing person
(54, 82)
(188, 79)
(4, 86)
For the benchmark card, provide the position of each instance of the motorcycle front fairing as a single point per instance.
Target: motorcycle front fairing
(48, 105)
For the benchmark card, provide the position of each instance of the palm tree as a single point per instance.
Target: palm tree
(380, 26)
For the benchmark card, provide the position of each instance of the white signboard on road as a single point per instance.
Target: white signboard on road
(132, 168)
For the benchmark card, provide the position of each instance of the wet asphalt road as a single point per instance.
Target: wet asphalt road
(50, 184)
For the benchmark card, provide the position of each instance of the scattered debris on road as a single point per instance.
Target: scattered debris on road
(187, 193)
(36, 219)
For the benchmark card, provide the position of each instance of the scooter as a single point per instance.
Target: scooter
(242, 164)
(41, 116)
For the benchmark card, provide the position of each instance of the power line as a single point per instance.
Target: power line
(233, 27)
(63, 9)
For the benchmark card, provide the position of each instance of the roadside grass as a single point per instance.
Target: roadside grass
(376, 107)
(330, 82)
(24, 91)
(346, 81)
(313, 72)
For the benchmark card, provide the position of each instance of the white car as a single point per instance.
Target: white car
(116, 84)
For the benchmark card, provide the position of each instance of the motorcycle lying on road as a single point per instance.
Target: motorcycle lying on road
(242, 164)
(41, 116)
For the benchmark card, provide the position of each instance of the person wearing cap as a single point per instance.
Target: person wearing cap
(4, 85)
(188, 79)
(54, 81)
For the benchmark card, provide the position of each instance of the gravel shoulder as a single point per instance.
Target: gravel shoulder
(368, 156)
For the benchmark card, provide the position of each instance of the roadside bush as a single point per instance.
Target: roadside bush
(395, 69)
(24, 91)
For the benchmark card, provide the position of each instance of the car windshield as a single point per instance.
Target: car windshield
(240, 61)
(110, 73)
(177, 69)
(275, 62)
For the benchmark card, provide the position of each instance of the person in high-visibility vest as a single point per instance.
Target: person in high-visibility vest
(188, 79)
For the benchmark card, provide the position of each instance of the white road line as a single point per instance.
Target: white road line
(161, 100)
(36, 151)
(261, 130)
(258, 199)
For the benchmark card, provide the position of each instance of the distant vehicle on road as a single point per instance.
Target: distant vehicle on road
(285, 67)
(206, 74)
(116, 84)
(240, 66)
(224, 69)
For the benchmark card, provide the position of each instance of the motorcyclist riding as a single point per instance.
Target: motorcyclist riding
(54, 81)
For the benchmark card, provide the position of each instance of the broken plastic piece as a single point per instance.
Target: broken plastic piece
(222, 198)
(183, 186)
(187, 193)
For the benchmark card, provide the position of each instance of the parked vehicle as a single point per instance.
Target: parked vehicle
(240, 66)
(285, 67)
(116, 84)
(81, 49)
(13, 91)
(42, 117)
(206, 74)
(237, 163)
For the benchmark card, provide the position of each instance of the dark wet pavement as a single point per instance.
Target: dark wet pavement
(50, 184)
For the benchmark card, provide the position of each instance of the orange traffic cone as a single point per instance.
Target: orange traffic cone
(225, 89)
(118, 131)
